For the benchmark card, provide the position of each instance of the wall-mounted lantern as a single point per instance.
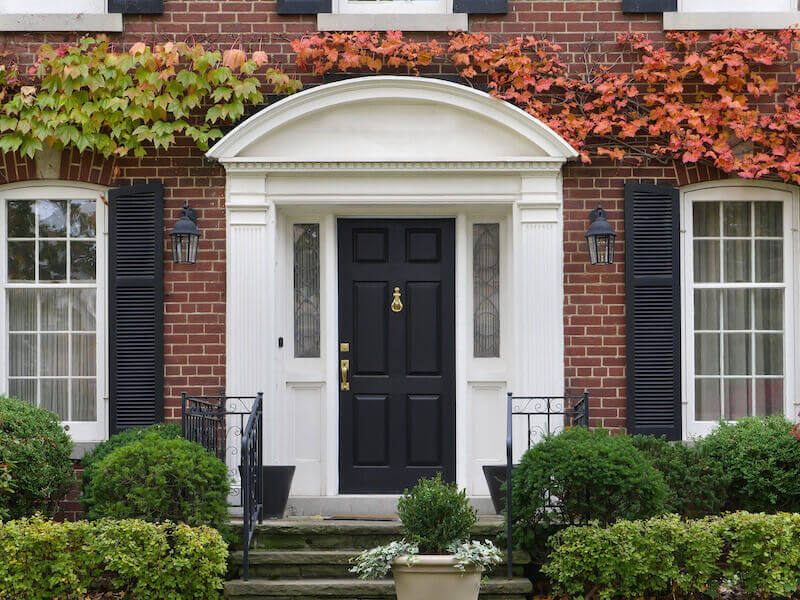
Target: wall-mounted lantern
(185, 237)
(600, 238)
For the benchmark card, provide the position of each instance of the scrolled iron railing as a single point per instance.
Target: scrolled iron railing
(538, 413)
(215, 422)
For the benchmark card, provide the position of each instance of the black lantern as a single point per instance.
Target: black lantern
(600, 238)
(185, 237)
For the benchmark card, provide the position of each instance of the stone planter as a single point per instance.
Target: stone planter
(434, 577)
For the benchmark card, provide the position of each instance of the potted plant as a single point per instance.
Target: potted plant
(436, 559)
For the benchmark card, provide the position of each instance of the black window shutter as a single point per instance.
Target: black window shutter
(649, 6)
(136, 7)
(481, 7)
(653, 309)
(303, 7)
(136, 299)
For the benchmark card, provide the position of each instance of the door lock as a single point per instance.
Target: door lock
(345, 365)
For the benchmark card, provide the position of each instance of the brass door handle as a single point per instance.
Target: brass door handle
(345, 365)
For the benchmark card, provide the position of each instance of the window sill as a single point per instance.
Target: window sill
(729, 20)
(111, 22)
(387, 22)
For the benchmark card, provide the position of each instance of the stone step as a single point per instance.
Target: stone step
(296, 564)
(355, 589)
(322, 534)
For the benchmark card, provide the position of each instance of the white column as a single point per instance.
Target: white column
(538, 289)
(250, 306)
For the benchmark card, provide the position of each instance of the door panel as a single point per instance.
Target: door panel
(397, 419)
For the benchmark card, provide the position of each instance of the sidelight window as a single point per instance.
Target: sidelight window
(306, 291)
(486, 289)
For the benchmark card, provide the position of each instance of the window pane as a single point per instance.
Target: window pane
(706, 309)
(52, 261)
(21, 219)
(736, 356)
(55, 354)
(769, 396)
(769, 353)
(486, 289)
(55, 396)
(55, 309)
(83, 354)
(21, 261)
(769, 309)
(736, 219)
(83, 263)
(22, 310)
(84, 400)
(737, 260)
(737, 398)
(82, 219)
(769, 260)
(306, 290)
(706, 219)
(52, 218)
(706, 353)
(83, 306)
(23, 389)
(21, 354)
(736, 309)
(769, 219)
(707, 406)
(706, 261)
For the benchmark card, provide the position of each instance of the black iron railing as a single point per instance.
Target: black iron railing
(538, 414)
(231, 427)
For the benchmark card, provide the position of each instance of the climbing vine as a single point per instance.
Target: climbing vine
(92, 97)
(696, 99)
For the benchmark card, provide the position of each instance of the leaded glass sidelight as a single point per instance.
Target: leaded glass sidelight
(486, 289)
(306, 291)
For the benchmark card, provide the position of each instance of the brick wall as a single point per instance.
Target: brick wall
(195, 294)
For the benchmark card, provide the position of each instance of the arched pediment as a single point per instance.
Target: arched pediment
(391, 118)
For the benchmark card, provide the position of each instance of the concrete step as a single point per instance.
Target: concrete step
(297, 564)
(355, 589)
(322, 534)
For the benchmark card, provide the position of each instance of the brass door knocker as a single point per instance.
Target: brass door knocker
(397, 306)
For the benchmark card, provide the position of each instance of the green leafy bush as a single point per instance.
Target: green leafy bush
(756, 555)
(435, 514)
(35, 466)
(579, 476)
(697, 484)
(44, 559)
(762, 460)
(156, 479)
(91, 459)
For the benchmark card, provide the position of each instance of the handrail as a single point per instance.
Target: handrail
(579, 414)
(252, 499)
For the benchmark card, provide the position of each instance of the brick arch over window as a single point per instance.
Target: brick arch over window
(83, 167)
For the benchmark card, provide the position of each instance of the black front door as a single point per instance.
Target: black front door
(397, 336)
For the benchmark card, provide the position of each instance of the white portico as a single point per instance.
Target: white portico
(436, 157)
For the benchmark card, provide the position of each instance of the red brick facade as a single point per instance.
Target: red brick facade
(195, 295)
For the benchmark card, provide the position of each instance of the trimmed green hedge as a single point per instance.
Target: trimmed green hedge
(756, 554)
(42, 560)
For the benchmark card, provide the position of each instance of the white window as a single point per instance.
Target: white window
(738, 303)
(384, 15)
(739, 14)
(57, 15)
(52, 249)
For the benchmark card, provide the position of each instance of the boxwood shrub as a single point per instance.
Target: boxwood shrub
(751, 555)
(91, 459)
(44, 559)
(579, 476)
(35, 466)
(159, 479)
(697, 484)
(762, 460)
